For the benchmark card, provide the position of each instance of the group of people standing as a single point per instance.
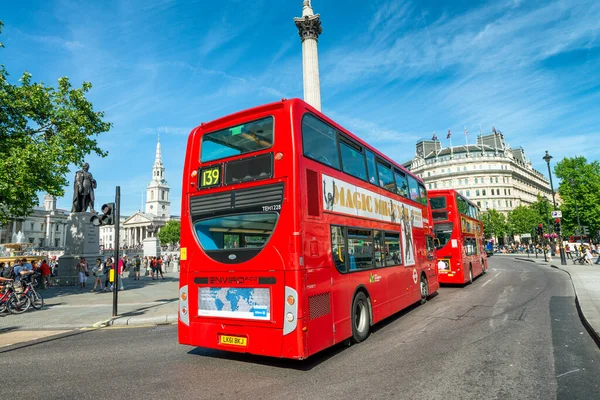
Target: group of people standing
(104, 279)
(23, 268)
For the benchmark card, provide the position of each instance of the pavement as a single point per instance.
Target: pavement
(143, 302)
(586, 282)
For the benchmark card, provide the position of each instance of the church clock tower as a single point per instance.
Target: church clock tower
(158, 202)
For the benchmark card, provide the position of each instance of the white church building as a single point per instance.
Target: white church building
(134, 229)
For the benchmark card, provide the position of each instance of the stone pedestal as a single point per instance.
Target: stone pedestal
(151, 247)
(82, 240)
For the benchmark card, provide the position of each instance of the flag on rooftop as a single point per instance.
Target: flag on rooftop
(449, 134)
(434, 138)
(494, 130)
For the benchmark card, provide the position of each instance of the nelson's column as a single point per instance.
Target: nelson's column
(309, 28)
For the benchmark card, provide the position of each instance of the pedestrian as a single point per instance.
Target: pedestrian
(568, 251)
(548, 248)
(82, 269)
(137, 263)
(108, 266)
(588, 256)
(46, 272)
(122, 264)
(98, 271)
(159, 263)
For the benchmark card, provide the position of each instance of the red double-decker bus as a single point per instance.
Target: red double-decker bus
(459, 237)
(295, 234)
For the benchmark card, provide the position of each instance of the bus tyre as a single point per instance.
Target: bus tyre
(361, 319)
(470, 274)
(424, 290)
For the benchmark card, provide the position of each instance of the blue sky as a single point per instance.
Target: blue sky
(391, 71)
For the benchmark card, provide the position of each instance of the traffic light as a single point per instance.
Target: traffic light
(557, 226)
(540, 230)
(107, 217)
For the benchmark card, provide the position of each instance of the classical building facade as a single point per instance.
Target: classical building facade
(44, 228)
(490, 172)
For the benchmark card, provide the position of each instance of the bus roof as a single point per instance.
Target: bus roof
(205, 126)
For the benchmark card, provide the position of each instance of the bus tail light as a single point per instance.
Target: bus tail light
(184, 315)
(290, 311)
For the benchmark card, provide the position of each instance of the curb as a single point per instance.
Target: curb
(137, 321)
(588, 327)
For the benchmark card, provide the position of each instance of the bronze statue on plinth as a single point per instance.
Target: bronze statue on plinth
(83, 194)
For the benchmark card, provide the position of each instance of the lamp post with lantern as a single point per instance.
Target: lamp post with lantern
(563, 258)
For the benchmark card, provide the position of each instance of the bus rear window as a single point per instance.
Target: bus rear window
(239, 139)
(437, 203)
(239, 231)
(443, 232)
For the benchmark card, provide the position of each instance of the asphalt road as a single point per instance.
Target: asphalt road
(513, 334)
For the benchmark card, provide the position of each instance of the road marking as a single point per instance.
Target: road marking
(566, 373)
(19, 336)
(486, 283)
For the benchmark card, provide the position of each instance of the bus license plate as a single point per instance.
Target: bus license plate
(233, 340)
(210, 177)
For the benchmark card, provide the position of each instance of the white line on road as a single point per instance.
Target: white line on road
(566, 373)
(487, 282)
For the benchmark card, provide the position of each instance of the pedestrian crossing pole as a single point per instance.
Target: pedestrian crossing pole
(117, 242)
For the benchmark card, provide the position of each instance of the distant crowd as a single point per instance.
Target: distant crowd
(103, 271)
(586, 252)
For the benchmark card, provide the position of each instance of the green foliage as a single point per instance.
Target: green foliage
(170, 233)
(494, 224)
(522, 219)
(579, 189)
(43, 130)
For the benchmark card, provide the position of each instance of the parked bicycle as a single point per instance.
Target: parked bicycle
(12, 301)
(35, 298)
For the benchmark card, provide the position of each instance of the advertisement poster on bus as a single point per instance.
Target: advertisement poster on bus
(343, 197)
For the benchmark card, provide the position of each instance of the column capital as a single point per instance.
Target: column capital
(309, 27)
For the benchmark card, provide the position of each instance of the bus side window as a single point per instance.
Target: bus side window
(392, 249)
(377, 246)
(319, 141)
(413, 188)
(338, 248)
(360, 248)
(423, 194)
(372, 170)
(401, 184)
(386, 177)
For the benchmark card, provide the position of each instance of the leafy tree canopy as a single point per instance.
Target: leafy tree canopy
(170, 233)
(494, 223)
(580, 191)
(43, 130)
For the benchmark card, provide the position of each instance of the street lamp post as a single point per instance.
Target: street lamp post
(563, 258)
(579, 232)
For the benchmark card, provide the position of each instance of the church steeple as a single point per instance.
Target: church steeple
(158, 170)
(157, 193)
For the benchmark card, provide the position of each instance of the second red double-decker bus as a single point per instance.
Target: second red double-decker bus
(459, 237)
(295, 234)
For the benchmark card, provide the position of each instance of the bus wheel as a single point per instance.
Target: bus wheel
(424, 290)
(483, 268)
(360, 318)
(470, 274)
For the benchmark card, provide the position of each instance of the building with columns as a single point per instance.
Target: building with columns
(44, 228)
(158, 208)
(490, 172)
(309, 28)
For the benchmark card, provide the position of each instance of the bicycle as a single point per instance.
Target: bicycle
(12, 302)
(35, 298)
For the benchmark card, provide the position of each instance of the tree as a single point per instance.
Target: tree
(522, 219)
(494, 224)
(43, 131)
(579, 189)
(170, 233)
